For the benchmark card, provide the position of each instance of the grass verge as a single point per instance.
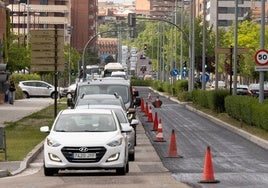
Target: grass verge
(23, 135)
(261, 133)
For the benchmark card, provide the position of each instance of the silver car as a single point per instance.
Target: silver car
(38, 88)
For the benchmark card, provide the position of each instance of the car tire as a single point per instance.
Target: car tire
(26, 95)
(53, 95)
(131, 157)
(50, 171)
(123, 170)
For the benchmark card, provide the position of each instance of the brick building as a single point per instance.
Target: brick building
(84, 22)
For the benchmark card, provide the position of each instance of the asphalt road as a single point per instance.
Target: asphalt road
(237, 162)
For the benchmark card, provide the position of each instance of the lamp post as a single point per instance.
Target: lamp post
(28, 22)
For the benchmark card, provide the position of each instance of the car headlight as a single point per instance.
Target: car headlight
(116, 142)
(53, 143)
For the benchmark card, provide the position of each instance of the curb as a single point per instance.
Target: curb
(29, 158)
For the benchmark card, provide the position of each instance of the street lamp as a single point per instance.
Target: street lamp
(28, 22)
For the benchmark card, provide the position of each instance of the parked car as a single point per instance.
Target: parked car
(221, 85)
(243, 90)
(122, 117)
(38, 88)
(86, 139)
(255, 90)
(69, 91)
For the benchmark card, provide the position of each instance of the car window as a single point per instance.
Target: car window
(85, 123)
(98, 101)
(120, 90)
(121, 116)
(89, 90)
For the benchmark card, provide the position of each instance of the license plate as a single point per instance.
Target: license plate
(84, 155)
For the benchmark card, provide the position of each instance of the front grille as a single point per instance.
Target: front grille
(69, 151)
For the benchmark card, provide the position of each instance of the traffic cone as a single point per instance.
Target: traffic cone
(155, 125)
(150, 115)
(159, 135)
(172, 146)
(142, 105)
(208, 173)
(146, 109)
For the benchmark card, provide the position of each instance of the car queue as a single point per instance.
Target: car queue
(98, 131)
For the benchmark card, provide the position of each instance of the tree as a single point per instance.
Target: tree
(248, 37)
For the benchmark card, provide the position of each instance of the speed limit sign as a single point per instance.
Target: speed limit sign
(261, 57)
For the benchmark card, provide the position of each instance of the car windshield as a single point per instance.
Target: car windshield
(121, 90)
(84, 122)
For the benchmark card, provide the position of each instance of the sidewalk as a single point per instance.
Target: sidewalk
(11, 113)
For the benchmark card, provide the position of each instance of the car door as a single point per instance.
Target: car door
(43, 89)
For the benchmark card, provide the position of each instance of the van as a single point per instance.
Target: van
(110, 85)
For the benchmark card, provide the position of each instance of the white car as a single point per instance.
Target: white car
(38, 88)
(122, 117)
(86, 139)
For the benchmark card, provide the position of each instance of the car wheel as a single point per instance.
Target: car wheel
(127, 170)
(26, 95)
(53, 95)
(50, 171)
(132, 157)
(123, 170)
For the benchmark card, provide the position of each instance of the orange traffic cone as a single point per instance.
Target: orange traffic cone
(142, 105)
(150, 115)
(208, 173)
(155, 126)
(159, 135)
(146, 109)
(172, 146)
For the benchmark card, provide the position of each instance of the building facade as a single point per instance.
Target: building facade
(26, 15)
(84, 22)
(226, 10)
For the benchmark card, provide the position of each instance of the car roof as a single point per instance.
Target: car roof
(100, 96)
(100, 106)
(107, 81)
(86, 110)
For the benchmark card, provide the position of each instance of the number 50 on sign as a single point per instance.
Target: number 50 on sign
(261, 57)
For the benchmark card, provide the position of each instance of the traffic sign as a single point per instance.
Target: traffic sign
(46, 61)
(261, 68)
(174, 72)
(49, 68)
(261, 57)
(47, 50)
(206, 77)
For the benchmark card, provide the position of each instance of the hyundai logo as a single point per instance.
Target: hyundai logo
(82, 149)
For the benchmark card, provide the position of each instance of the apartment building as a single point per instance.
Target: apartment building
(26, 15)
(84, 15)
(226, 10)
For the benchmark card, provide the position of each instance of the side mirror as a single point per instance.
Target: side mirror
(126, 129)
(134, 122)
(44, 129)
